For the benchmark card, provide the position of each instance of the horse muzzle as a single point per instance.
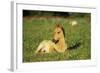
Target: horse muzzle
(55, 41)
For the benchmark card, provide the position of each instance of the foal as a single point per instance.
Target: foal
(56, 44)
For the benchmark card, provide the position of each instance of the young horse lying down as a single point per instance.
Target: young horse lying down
(57, 44)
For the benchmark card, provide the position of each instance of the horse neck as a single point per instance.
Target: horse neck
(61, 42)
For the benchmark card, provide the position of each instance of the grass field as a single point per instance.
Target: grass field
(36, 30)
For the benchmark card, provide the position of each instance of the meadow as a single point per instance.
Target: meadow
(78, 37)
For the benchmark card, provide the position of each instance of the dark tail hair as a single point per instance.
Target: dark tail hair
(76, 45)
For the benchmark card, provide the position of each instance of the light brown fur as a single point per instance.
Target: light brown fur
(58, 44)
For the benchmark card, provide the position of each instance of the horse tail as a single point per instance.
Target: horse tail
(75, 46)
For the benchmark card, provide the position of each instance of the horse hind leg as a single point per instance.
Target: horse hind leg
(39, 49)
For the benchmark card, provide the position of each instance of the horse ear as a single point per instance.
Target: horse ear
(58, 25)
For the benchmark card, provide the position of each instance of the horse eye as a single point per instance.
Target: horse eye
(58, 32)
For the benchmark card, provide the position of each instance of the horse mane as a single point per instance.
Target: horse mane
(63, 31)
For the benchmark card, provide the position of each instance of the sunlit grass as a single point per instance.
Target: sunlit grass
(36, 30)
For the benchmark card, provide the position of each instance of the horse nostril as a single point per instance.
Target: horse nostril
(53, 40)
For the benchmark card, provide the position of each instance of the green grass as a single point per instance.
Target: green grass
(36, 30)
